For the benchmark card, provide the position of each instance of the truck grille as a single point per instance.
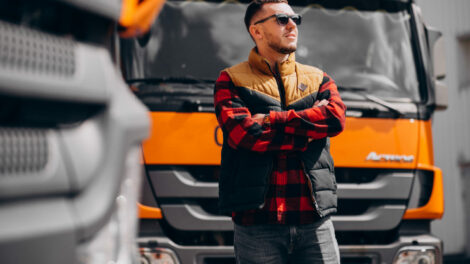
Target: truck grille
(22, 150)
(30, 51)
(370, 200)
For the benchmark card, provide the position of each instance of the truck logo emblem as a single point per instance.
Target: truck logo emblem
(217, 134)
(390, 157)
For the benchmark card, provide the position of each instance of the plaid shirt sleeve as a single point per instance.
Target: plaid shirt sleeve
(243, 132)
(316, 122)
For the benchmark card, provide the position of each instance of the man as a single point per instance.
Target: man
(277, 175)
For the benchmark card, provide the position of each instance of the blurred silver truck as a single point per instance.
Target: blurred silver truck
(70, 132)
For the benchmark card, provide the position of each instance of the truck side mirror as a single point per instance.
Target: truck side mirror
(437, 49)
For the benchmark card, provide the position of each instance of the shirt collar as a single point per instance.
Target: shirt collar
(286, 67)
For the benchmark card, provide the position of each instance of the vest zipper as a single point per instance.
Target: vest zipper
(280, 86)
(268, 177)
(282, 95)
(282, 92)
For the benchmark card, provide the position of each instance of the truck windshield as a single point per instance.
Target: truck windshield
(368, 50)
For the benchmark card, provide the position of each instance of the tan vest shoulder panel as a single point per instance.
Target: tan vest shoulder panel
(307, 81)
(303, 82)
(245, 76)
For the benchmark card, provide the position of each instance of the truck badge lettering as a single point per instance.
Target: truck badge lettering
(389, 157)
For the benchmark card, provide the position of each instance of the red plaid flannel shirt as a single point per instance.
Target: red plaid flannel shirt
(289, 199)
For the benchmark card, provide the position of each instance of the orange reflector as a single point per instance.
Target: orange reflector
(137, 16)
(147, 212)
(434, 209)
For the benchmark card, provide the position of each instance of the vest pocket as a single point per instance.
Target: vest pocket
(322, 179)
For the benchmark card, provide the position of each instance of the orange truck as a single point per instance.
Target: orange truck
(388, 67)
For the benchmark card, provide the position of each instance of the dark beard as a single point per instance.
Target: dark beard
(287, 50)
(282, 50)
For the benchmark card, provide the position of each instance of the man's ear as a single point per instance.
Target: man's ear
(255, 32)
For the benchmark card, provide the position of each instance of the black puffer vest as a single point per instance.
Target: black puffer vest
(244, 176)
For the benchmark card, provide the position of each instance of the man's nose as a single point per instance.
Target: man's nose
(291, 23)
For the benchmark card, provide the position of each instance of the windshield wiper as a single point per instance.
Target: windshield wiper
(361, 92)
(351, 89)
(384, 104)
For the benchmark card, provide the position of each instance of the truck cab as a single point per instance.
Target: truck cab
(386, 65)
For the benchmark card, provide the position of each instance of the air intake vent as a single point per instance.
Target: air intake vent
(22, 150)
(34, 52)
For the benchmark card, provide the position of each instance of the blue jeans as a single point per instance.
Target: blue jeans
(273, 244)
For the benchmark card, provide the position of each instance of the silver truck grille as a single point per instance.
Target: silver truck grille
(22, 150)
(381, 197)
(30, 51)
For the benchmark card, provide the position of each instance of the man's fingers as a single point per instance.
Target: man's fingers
(321, 103)
(258, 118)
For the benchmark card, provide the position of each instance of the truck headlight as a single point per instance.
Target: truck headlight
(157, 256)
(116, 242)
(416, 255)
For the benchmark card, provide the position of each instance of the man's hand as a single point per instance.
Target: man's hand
(321, 103)
(258, 118)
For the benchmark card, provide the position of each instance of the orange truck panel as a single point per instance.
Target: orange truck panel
(434, 209)
(147, 212)
(199, 133)
(363, 136)
(203, 138)
(138, 16)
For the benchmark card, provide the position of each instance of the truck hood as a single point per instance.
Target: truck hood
(380, 143)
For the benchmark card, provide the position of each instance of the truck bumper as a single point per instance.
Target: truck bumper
(358, 254)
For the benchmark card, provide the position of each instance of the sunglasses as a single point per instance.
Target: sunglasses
(282, 19)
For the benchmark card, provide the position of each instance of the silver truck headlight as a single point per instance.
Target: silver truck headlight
(116, 242)
(416, 255)
(157, 256)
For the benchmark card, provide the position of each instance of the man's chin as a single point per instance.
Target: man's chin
(287, 50)
(283, 49)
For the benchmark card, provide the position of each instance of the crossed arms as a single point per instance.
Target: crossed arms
(287, 130)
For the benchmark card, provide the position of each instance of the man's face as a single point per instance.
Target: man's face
(280, 38)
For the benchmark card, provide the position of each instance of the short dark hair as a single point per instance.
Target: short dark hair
(256, 6)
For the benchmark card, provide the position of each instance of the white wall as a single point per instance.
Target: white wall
(451, 128)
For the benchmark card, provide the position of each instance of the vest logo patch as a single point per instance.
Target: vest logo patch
(302, 86)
